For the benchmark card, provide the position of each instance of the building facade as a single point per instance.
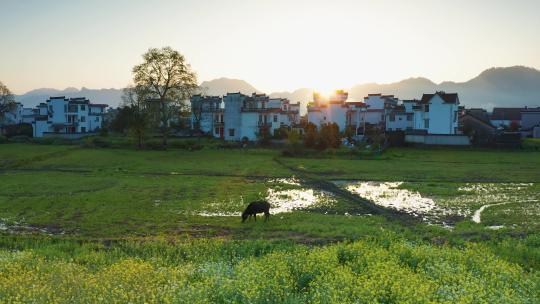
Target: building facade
(63, 116)
(337, 109)
(236, 116)
(433, 114)
(530, 122)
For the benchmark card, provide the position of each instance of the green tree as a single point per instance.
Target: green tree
(310, 137)
(135, 116)
(7, 101)
(329, 137)
(167, 82)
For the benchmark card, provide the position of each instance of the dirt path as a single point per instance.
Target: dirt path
(328, 186)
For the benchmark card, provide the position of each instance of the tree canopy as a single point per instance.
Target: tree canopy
(7, 100)
(167, 82)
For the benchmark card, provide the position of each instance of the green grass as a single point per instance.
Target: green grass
(437, 164)
(135, 216)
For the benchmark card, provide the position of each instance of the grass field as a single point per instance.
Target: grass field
(120, 225)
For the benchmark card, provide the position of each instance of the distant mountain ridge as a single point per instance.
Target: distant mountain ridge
(515, 86)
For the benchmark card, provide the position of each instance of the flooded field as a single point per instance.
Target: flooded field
(495, 205)
(437, 202)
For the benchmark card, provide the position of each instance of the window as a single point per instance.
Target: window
(426, 108)
(83, 118)
(400, 118)
(426, 123)
(83, 129)
(231, 132)
(260, 117)
(392, 117)
(409, 117)
(216, 130)
(275, 118)
(65, 108)
(83, 108)
(324, 118)
(97, 118)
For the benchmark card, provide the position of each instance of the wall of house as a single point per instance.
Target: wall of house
(530, 119)
(249, 125)
(39, 127)
(442, 116)
(374, 116)
(57, 115)
(400, 122)
(231, 115)
(317, 117)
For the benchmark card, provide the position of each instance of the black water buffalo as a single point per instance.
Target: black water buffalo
(256, 207)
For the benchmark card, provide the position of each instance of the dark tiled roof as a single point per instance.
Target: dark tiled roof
(506, 114)
(447, 97)
(479, 114)
(530, 110)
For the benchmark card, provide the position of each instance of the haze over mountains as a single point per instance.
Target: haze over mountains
(496, 87)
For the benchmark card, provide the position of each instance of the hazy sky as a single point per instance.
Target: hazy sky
(275, 45)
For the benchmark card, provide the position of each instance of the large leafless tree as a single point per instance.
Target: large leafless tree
(167, 82)
(7, 101)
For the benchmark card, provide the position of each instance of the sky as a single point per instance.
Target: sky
(274, 45)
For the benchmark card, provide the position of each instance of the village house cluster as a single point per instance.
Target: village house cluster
(236, 116)
(436, 118)
(69, 117)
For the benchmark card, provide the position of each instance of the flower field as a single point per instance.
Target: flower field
(389, 270)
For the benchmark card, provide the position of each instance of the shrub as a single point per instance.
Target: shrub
(20, 139)
(43, 140)
(3, 139)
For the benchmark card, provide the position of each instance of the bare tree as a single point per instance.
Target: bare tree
(168, 82)
(7, 101)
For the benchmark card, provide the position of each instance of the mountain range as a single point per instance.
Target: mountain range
(515, 86)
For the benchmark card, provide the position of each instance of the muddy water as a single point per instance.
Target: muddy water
(286, 200)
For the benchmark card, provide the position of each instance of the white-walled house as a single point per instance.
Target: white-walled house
(69, 117)
(241, 116)
(377, 104)
(207, 115)
(332, 110)
(434, 114)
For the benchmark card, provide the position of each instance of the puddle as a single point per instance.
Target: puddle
(476, 216)
(281, 200)
(389, 195)
(295, 199)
